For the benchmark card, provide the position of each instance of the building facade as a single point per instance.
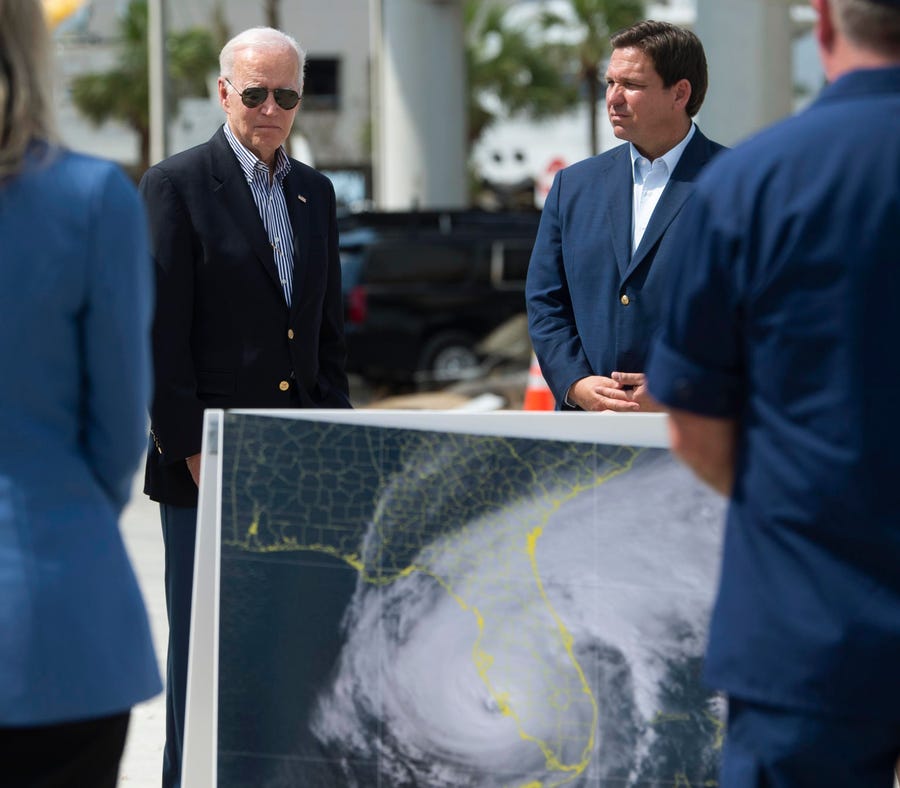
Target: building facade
(348, 114)
(332, 129)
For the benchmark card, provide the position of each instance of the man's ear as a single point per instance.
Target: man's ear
(223, 90)
(682, 93)
(828, 38)
(825, 31)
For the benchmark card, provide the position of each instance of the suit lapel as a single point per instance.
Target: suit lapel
(670, 202)
(619, 206)
(678, 189)
(298, 210)
(231, 187)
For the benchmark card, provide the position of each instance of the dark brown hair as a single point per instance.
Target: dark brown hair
(26, 110)
(676, 54)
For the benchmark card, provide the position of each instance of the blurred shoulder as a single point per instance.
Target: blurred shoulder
(75, 178)
(759, 155)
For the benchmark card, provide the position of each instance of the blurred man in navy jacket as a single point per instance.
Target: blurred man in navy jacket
(780, 367)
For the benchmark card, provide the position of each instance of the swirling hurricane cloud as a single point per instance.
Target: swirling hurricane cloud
(551, 636)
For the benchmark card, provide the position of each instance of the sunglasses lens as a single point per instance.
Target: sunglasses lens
(253, 97)
(286, 99)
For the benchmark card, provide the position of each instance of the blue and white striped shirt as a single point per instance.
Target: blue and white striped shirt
(272, 207)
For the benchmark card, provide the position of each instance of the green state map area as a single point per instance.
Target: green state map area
(426, 608)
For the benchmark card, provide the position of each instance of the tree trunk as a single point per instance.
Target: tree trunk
(273, 13)
(273, 19)
(144, 152)
(219, 24)
(593, 98)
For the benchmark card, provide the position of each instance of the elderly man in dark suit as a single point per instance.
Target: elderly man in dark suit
(249, 310)
(597, 279)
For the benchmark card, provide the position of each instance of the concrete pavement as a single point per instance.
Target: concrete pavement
(142, 763)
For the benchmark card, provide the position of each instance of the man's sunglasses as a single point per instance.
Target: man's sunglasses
(253, 97)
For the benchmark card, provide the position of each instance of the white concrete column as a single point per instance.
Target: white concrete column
(158, 79)
(748, 47)
(419, 104)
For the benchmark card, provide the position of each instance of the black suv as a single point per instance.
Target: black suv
(422, 289)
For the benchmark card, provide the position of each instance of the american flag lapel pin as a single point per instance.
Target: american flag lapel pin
(301, 198)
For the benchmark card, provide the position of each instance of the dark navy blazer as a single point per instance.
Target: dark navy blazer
(224, 336)
(582, 271)
(786, 318)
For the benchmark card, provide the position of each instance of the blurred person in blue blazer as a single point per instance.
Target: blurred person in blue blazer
(75, 296)
(597, 281)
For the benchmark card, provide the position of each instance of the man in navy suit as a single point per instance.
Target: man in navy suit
(780, 367)
(249, 311)
(597, 281)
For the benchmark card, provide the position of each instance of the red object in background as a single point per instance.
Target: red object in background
(537, 393)
(357, 305)
(545, 179)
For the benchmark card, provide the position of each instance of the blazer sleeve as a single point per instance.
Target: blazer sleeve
(117, 335)
(176, 413)
(551, 316)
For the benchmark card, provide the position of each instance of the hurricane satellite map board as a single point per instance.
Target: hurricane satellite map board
(440, 600)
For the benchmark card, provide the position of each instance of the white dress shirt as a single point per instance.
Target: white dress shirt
(650, 179)
(268, 194)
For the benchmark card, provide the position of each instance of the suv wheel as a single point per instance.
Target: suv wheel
(448, 357)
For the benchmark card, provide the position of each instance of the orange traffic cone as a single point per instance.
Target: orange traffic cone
(537, 393)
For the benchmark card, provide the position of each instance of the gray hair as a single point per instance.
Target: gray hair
(26, 105)
(261, 38)
(870, 24)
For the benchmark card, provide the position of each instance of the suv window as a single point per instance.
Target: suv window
(509, 263)
(394, 263)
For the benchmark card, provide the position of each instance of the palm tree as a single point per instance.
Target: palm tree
(509, 71)
(122, 93)
(590, 23)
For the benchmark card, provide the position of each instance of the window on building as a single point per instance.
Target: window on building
(322, 87)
